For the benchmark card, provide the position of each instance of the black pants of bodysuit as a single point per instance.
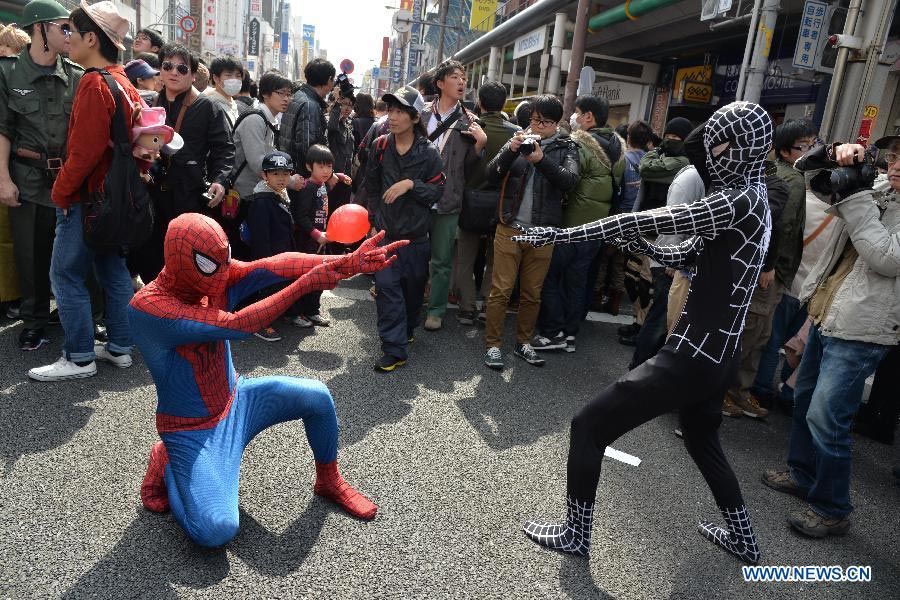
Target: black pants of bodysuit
(668, 381)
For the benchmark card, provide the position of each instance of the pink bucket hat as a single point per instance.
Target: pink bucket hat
(152, 120)
(105, 15)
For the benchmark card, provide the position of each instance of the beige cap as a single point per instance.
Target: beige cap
(105, 15)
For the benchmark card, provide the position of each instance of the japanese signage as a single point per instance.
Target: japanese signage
(253, 41)
(702, 75)
(777, 88)
(415, 38)
(810, 36)
(865, 126)
(209, 25)
(530, 42)
(195, 37)
(255, 8)
(483, 12)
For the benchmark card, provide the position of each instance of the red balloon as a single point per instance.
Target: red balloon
(348, 224)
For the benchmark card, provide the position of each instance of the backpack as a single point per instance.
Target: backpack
(118, 217)
(237, 172)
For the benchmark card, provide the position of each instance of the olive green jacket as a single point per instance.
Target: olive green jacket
(592, 197)
(789, 245)
(35, 106)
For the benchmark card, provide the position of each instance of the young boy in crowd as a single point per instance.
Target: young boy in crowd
(269, 221)
(310, 210)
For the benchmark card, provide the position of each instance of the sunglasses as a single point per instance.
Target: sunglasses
(182, 68)
(65, 28)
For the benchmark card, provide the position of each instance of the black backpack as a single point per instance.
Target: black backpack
(119, 216)
(237, 172)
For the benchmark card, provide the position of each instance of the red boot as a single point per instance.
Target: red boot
(331, 485)
(153, 489)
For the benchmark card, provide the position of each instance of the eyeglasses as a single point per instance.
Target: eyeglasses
(542, 122)
(168, 65)
(283, 93)
(141, 37)
(891, 157)
(806, 147)
(65, 28)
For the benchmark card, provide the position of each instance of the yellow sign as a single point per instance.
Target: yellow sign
(697, 92)
(698, 74)
(870, 112)
(483, 12)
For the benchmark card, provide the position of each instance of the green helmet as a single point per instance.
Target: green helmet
(37, 11)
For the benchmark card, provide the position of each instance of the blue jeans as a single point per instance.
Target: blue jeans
(398, 303)
(69, 267)
(563, 297)
(829, 388)
(786, 322)
(652, 334)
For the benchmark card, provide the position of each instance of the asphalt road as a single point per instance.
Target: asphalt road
(457, 457)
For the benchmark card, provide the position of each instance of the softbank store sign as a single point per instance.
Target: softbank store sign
(530, 42)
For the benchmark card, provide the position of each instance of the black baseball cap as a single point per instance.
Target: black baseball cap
(407, 96)
(276, 161)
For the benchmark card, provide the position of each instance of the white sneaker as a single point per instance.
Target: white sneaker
(123, 362)
(61, 370)
(301, 322)
(137, 283)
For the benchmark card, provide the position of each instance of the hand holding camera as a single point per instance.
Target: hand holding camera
(836, 171)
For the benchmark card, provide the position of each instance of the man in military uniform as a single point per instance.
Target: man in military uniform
(36, 93)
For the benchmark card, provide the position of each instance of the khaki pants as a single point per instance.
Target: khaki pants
(466, 252)
(757, 329)
(678, 294)
(512, 260)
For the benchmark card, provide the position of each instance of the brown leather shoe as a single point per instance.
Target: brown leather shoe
(730, 409)
(783, 482)
(811, 523)
(751, 408)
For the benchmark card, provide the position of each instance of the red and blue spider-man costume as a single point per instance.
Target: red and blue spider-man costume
(206, 414)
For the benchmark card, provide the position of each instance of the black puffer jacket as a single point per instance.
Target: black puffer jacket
(555, 175)
(409, 216)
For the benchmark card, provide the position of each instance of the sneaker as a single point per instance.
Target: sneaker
(494, 358)
(12, 312)
(137, 283)
(557, 342)
(466, 317)
(628, 340)
(388, 363)
(318, 320)
(782, 481)
(527, 353)
(751, 408)
(730, 409)
(268, 335)
(300, 321)
(123, 361)
(32, 339)
(53, 319)
(63, 369)
(100, 333)
(433, 323)
(482, 317)
(811, 523)
(570, 343)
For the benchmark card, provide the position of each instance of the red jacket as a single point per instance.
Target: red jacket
(89, 150)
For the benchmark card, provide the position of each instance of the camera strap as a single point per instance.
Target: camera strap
(443, 126)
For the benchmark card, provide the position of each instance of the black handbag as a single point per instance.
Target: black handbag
(479, 210)
(118, 217)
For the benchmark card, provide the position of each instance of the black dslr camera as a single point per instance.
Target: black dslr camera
(832, 180)
(346, 87)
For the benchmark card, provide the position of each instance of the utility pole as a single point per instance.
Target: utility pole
(444, 9)
(578, 40)
(759, 63)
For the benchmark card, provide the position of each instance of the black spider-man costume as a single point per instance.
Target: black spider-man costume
(730, 231)
(206, 414)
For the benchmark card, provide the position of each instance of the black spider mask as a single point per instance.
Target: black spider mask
(737, 138)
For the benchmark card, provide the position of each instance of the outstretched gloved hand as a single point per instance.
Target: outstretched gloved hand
(536, 236)
(371, 257)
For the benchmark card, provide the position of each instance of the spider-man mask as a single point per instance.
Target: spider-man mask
(197, 255)
(737, 138)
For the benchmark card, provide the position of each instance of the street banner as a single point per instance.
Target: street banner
(482, 17)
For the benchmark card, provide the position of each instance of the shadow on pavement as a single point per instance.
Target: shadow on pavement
(154, 554)
(576, 580)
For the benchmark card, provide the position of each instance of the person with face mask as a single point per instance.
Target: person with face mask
(226, 74)
(659, 166)
(729, 233)
(206, 414)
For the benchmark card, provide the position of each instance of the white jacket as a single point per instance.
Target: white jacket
(866, 307)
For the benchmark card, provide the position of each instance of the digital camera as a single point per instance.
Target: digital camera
(831, 180)
(345, 85)
(529, 144)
